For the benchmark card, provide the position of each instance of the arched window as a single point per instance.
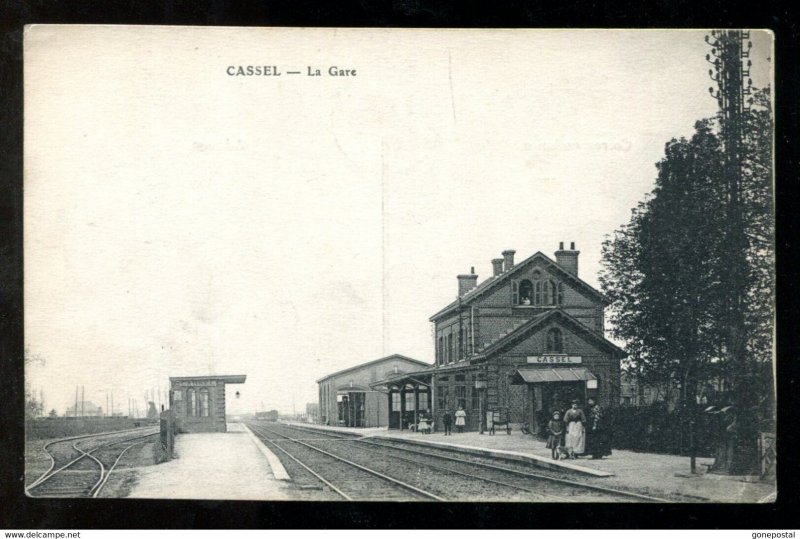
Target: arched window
(525, 292)
(552, 293)
(191, 402)
(537, 300)
(560, 300)
(451, 346)
(555, 341)
(204, 402)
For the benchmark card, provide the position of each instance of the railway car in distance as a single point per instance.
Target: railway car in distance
(271, 415)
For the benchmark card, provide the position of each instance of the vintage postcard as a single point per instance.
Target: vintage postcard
(328, 264)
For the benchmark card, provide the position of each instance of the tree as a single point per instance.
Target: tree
(668, 273)
(662, 272)
(33, 407)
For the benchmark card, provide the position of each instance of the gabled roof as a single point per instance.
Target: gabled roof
(536, 322)
(394, 378)
(492, 282)
(368, 363)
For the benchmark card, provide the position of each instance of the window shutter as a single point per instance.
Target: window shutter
(514, 293)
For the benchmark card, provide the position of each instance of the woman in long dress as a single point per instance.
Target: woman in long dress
(461, 417)
(576, 432)
(599, 434)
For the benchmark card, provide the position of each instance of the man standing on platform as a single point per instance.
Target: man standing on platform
(447, 421)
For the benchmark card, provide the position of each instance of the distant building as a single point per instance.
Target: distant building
(312, 412)
(346, 398)
(84, 409)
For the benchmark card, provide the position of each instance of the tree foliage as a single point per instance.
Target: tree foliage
(664, 271)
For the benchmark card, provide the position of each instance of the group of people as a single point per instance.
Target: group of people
(579, 433)
(425, 424)
(460, 420)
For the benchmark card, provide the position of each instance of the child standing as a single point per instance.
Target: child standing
(556, 438)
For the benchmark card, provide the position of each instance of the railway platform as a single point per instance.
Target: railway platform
(648, 472)
(226, 466)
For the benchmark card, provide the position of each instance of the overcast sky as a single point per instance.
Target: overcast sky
(182, 221)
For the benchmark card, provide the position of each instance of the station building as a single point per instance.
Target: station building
(198, 402)
(523, 343)
(346, 397)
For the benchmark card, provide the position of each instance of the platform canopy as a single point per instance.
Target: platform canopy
(539, 375)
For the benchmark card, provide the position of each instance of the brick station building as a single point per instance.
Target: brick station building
(524, 342)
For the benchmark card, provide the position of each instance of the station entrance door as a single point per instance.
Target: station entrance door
(547, 397)
(350, 407)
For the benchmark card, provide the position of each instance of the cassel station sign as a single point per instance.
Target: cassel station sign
(554, 359)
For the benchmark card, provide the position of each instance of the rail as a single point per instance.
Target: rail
(370, 471)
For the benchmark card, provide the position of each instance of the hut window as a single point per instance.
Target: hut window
(423, 401)
(395, 402)
(204, 403)
(560, 299)
(191, 402)
(409, 401)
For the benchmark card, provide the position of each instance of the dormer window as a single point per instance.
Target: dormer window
(537, 292)
(525, 292)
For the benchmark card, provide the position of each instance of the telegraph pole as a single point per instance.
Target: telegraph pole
(730, 54)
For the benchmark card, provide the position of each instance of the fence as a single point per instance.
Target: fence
(165, 449)
(62, 427)
(656, 430)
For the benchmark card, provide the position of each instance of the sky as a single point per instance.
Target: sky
(181, 221)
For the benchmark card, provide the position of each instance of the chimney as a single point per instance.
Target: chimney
(508, 258)
(467, 282)
(568, 259)
(497, 266)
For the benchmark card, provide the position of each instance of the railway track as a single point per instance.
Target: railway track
(348, 479)
(538, 486)
(81, 465)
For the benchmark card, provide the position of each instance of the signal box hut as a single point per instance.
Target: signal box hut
(199, 401)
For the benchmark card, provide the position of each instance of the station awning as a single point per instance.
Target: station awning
(539, 375)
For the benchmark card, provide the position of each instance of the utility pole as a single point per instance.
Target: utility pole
(730, 52)
(75, 411)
